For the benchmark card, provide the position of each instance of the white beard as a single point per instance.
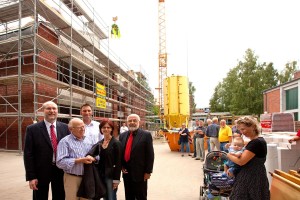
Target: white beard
(132, 128)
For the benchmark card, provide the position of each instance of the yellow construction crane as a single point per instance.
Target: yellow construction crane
(162, 57)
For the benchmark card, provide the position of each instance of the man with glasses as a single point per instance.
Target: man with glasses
(41, 141)
(71, 157)
(137, 159)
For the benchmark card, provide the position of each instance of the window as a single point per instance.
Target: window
(296, 116)
(291, 99)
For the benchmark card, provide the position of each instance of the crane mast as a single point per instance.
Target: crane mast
(162, 57)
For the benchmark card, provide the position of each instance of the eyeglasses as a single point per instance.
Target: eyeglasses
(79, 127)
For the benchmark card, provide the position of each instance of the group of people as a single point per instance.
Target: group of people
(245, 159)
(217, 137)
(61, 155)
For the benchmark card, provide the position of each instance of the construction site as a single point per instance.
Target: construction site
(58, 50)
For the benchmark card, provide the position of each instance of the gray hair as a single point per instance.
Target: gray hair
(215, 119)
(70, 124)
(49, 103)
(134, 115)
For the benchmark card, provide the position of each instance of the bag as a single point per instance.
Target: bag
(179, 142)
(221, 181)
(92, 186)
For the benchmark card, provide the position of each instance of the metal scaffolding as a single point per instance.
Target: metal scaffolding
(58, 50)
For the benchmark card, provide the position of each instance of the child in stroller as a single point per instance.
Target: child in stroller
(216, 185)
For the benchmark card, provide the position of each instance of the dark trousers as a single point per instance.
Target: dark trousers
(135, 190)
(57, 186)
(194, 143)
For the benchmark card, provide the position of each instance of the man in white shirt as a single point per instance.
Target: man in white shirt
(91, 126)
(123, 128)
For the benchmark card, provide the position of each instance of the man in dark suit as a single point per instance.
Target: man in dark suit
(137, 159)
(41, 141)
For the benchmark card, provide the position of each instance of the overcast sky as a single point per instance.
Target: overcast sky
(205, 38)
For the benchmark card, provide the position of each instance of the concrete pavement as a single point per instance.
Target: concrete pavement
(174, 177)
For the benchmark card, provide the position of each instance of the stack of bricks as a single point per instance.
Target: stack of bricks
(283, 122)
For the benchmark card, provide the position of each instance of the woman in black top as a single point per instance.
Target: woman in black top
(110, 159)
(251, 183)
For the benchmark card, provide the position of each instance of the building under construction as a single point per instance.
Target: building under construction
(59, 50)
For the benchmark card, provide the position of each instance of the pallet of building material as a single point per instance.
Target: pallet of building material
(283, 188)
(294, 173)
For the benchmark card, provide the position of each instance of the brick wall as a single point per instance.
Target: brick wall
(297, 74)
(272, 101)
(46, 64)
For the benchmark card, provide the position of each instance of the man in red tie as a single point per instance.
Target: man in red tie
(138, 159)
(41, 141)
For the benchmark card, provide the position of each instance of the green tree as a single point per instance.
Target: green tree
(216, 103)
(288, 72)
(241, 91)
(192, 91)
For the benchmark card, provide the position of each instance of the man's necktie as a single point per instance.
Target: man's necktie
(128, 148)
(53, 139)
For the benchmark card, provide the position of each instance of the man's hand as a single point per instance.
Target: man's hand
(33, 184)
(124, 171)
(90, 158)
(146, 176)
(85, 160)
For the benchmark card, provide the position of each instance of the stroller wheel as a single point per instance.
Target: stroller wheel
(202, 193)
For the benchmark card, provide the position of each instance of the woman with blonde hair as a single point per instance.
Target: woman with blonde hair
(251, 183)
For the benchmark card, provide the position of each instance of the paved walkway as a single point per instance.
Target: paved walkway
(174, 177)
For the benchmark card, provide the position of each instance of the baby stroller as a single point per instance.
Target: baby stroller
(217, 186)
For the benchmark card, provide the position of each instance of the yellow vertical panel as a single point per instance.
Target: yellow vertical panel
(166, 98)
(173, 95)
(184, 97)
(176, 100)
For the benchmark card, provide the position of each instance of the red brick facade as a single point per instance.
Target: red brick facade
(45, 64)
(272, 101)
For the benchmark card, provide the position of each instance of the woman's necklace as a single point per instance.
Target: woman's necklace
(106, 142)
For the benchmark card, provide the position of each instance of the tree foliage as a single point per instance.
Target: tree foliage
(287, 73)
(192, 91)
(241, 92)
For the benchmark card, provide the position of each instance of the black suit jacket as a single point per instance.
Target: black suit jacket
(141, 157)
(38, 151)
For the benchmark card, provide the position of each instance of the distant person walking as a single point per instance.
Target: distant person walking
(137, 159)
(41, 141)
(212, 132)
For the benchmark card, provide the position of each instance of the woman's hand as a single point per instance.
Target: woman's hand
(115, 186)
